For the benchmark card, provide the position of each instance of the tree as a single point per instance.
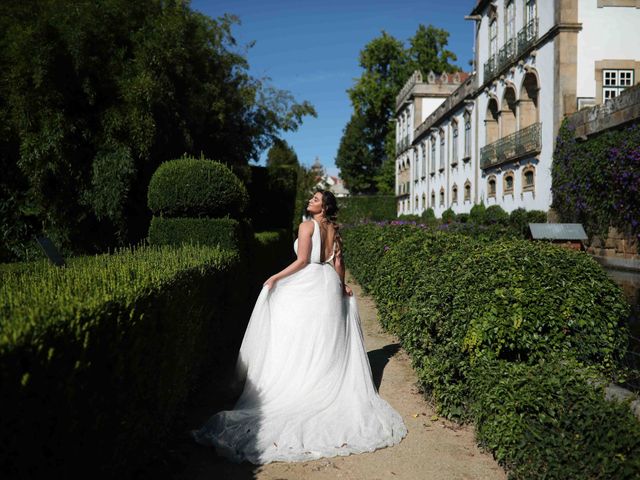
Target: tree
(280, 154)
(95, 95)
(354, 159)
(386, 64)
(427, 51)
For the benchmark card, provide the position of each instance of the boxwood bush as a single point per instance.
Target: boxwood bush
(359, 208)
(190, 187)
(97, 358)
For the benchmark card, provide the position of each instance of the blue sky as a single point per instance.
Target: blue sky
(311, 48)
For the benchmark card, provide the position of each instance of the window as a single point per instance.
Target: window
(433, 155)
(442, 197)
(454, 144)
(508, 183)
(424, 201)
(423, 152)
(467, 136)
(492, 186)
(454, 194)
(530, 11)
(528, 179)
(441, 150)
(511, 20)
(614, 82)
(433, 198)
(493, 38)
(467, 191)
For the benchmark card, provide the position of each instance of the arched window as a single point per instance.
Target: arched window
(423, 151)
(511, 21)
(528, 179)
(491, 186)
(454, 143)
(424, 201)
(433, 198)
(491, 121)
(433, 155)
(528, 105)
(467, 191)
(531, 11)
(508, 113)
(467, 135)
(507, 186)
(454, 194)
(493, 38)
(442, 196)
(442, 155)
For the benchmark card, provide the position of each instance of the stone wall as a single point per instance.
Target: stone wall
(615, 245)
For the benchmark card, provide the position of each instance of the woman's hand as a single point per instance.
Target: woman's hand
(346, 290)
(270, 283)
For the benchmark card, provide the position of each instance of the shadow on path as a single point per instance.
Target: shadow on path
(379, 359)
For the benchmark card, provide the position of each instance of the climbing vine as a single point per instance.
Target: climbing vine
(597, 182)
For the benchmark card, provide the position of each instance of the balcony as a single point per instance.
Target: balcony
(511, 50)
(514, 146)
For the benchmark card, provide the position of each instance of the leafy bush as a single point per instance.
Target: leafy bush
(224, 232)
(548, 421)
(356, 209)
(495, 214)
(190, 187)
(595, 182)
(519, 220)
(98, 357)
(459, 302)
(462, 217)
(476, 214)
(448, 216)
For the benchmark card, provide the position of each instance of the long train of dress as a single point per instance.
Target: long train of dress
(308, 390)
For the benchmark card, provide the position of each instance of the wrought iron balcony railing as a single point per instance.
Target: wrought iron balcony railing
(512, 49)
(518, 144)
(528, 35)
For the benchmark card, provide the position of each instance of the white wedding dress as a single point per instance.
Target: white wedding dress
(308, 390)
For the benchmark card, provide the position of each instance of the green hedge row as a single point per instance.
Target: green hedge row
(224, 232)
(98, 357)
(359, 208)
(456, 301)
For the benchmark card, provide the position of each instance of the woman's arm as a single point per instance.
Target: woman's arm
(305, 230)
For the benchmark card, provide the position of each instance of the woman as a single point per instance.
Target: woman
(308, 390)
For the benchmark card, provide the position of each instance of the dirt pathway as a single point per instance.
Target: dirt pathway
(434, 449)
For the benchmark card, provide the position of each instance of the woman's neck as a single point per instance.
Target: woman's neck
(318, 217)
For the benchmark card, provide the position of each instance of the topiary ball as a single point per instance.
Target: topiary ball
(190, 187)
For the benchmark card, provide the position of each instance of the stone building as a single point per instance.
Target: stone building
(492, 138)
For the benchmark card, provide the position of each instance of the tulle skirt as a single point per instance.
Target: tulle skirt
(308, 389)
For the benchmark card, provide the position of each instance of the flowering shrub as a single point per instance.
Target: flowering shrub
(597, 182)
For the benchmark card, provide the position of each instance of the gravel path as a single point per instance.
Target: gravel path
(434, 449)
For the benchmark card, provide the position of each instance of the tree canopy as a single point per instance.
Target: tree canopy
(387, 64)
(95, 95)
(280, 154)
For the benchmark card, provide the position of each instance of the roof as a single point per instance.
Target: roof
(557, 231)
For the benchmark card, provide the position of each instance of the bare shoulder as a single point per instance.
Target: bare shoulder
(306, 227)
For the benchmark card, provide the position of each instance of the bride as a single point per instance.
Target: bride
(308, 390)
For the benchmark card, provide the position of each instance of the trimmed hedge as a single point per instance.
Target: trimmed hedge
(190, 187)
(98, 357)
(359, 208)
(272, 191)
(547, 420)
(224, 232)
(457, 302)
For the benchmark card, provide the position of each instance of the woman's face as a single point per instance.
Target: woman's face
(314, 205)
